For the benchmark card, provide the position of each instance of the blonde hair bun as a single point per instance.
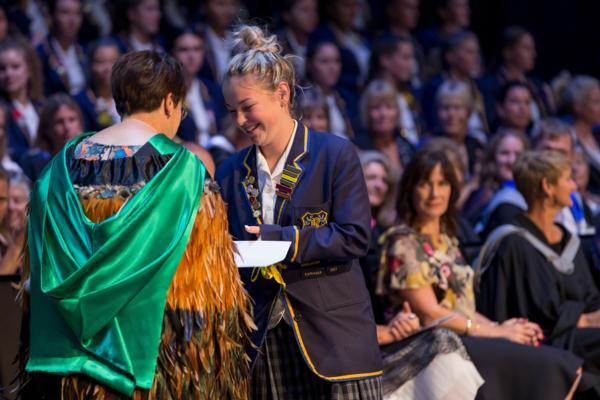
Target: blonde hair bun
(254, 38)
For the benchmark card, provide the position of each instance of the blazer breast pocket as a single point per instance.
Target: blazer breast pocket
(315, 216)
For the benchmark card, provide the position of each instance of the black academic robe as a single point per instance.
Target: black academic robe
(521, 282)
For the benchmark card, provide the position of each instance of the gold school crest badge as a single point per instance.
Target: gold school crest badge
(314, 219)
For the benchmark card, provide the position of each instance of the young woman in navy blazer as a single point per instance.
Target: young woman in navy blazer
(316, 334)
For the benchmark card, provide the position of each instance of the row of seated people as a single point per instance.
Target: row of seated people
(525, 315)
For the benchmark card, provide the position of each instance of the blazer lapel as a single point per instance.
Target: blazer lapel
(293, 170)
(249, 185)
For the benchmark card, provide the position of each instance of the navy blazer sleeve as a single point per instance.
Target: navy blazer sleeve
(347, 234)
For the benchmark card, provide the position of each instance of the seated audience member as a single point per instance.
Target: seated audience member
(313, 110)
(63, 59)
(558, 136)
(138, 25)
(513, 108)
(452, 16)
(454, 104)
(31, 19)
(496, 200)
(97, 21)
(582, 97)
(421, 264)
(462, 62)
(7, 25)
(96, 101)
(323, 67)
(300, 18)
(6, 162)
(10, 252)
(393, 59)
(581, 176)
(60, 121)
(468, 239)
(204, 100)
(402, 20)
(379, 113)
(219, 16)
(430, 365)
(354, 48)
(21, 87)
(517, 63)
(382, 191)
(537, 269)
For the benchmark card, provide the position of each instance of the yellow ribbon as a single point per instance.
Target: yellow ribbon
(270, 272)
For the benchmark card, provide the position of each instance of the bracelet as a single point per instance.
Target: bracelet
(469, 325)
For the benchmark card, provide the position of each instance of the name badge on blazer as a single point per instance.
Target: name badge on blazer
(314, 219)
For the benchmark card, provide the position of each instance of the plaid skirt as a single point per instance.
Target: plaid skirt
(280, 373)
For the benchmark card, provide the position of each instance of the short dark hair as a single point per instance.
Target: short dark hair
(418, 169)
(507, 87)
(142, 79)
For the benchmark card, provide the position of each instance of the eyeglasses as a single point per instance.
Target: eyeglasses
(184, 112)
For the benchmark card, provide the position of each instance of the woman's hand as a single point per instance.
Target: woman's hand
(404, 323)
(522, 331)
(254, 230)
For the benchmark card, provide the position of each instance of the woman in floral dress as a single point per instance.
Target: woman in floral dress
(421, 263)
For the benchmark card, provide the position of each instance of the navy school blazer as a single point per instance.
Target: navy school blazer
(327, 221)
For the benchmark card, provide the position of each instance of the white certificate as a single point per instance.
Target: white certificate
(260, 253)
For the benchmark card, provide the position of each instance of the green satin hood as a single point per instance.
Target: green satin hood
(98, 291)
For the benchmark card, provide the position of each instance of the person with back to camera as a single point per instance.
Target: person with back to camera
(133, 287)
(316, 333)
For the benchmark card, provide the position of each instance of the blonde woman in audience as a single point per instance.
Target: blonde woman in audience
(379, 113)
(535, 268)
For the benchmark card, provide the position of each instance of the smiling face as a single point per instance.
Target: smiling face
(14, 73)
(377, 185)
(562, 189)
(509, 149)
(432, 195)
(257, 111)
